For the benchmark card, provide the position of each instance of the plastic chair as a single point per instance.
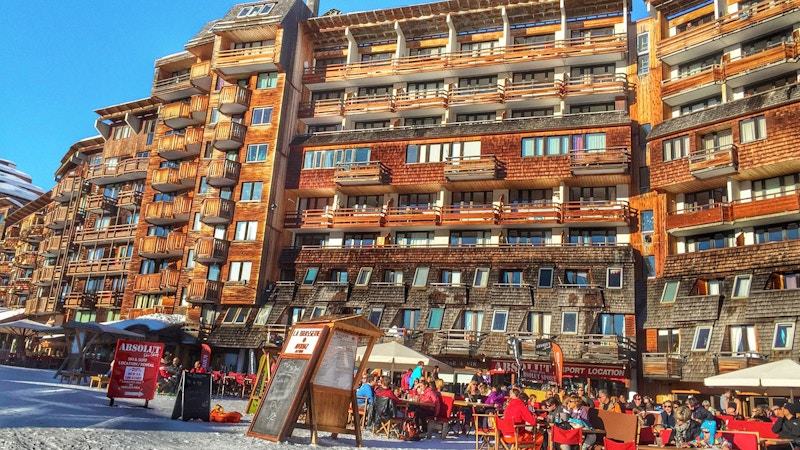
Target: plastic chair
(514, 436)
(565, 437)
(609, 444)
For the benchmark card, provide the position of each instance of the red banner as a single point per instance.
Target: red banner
(205, 357)
(558, 362)
(135, 372)
(545, 370)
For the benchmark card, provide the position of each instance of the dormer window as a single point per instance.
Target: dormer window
(249, 11)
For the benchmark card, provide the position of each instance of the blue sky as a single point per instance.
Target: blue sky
(62, 59)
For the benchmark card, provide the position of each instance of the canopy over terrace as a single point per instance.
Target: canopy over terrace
(393, 356)
(776, 377)
(81, 336)
(21, 330)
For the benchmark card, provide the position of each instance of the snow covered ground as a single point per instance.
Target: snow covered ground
(36, 412)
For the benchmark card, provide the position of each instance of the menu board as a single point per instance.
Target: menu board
(281, 400)
(338, 363)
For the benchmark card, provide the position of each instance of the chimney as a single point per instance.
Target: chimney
(313, 5)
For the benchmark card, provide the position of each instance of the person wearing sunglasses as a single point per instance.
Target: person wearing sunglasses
(667, 415)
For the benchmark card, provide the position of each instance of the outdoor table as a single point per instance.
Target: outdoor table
(765, 442)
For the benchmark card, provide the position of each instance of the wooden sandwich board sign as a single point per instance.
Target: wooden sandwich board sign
(194, 397)
(280, 406)
(260, 385)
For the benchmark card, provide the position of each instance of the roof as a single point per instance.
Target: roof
(230, 20)
(30, 208)
(118, 111)
(529, 124)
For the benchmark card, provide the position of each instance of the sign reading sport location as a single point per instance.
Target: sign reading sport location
(135, 372)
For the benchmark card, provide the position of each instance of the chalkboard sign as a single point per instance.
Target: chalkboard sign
(194, 397)
(279, 405)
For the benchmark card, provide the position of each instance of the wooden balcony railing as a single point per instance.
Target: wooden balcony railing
(54, 245)
(431, 98)
(211, 250)
(361, 173)
(214, 211)
(32, 234)
(309, 218)
(662, 366)
(176, 83)
(712, 31)
(163, 282)
(228, 60)
(168, 212)
(200, 75)
(58, 217)
(528, 213)
(26, 260)
(460, 342)
(229, 135)
(470, 95)
(483, 167)
(600, 161)
(126, 170)
(180, 146)
(5, 267)
(67, 188)
(614, 83)
(223, 172)
(108, 299)
(713, 162)
(369, 216)
(691, 80)
(122, 232)
(731, 361)
(412, 216)
(129, 199)
(369, 104)
(330, 107)
(779, 52)
(204, 291)
(162, 247)
(234, 99)
(76, 300)
(784, 203)
(612, 347)
(102, 266)
(99, 204)
(44, 275)
(596, 211)
(171, 179)
(177, 115)
(710, 214)
(524, 90)
(466, 213)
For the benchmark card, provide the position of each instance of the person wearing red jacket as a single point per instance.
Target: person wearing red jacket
(517, 410)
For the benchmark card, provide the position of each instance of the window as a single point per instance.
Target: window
(122, 131)
(670, 292)
(375, 314)
(752, 129)
(669, 341)
(296, 314)
(311, 276)
(611, 324)
(650, 266)
(240, 271)
(777, 232)
(702, 339)
(538, 323)
(545, 278)
(472, 320)
(577, 277)
(246, 231)
(364, 274)
(499, 321)
(189, 259)
(470, 238)
(236, 315)
(743, 339)
(547, 145)
(267, 80)
(435, 318)
(339, 276)
(262, 315)
(256, 10)
(451, 277)
(784, 336)
(213, 272)
(326, 159)
(393, 276)
(256, 152)
(203, 187)
(511, 277)
(741, 286)
(262, 116)
(676, 148)
(421, 277)
(643, 64)
(251, 191)
(481, 277)
(431, 153)
(710, 241)
(569, 323)
(614, 278)
(647, 221)
(318, 311)
(410, 318)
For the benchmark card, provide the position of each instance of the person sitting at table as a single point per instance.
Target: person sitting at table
(709, 438)
(579, 418)
(788, 424)
(533, 403)
(366, 392)
(484, 389)
(496, 399)
(384, 389)
(428, 403)
(685, 430)
(517, 410)
(667, 417)
(198, 368)
(760, 414)
(606, 402)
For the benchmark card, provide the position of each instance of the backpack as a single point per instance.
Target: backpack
(410, 431)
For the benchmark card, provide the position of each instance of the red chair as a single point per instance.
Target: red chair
(514, 436)
(565, 437)
(646, 436)
(666, 435)
(608, 444)
(445, 418)
(742, 440)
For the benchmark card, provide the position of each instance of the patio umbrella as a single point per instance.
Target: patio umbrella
(393, 356)
(25, 328)
(779, 374)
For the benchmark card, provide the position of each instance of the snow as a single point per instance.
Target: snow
(40, 413)
(153, 322)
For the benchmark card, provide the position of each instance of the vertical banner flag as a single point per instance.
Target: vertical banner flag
(205, 356)
(135, 372)
(558, 364)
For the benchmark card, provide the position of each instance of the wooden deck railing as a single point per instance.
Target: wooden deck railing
(217, 210)
(102, 266)
(693, 79)
(471, 167)
(412, 216)
(461, 341)
(172, 83)
(595, 211)
(244, 56)
(481, 214)
(211, 249)
(662, 365)
(534, 212)
(154, 283)
(123, 231)
(309, 218)
(710, 159)
(360, 173)
(223, 172)
(204, 291)
(358, 217)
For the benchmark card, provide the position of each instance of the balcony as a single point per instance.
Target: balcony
(605, 87)
(223, 173)
(54, 245)
(26, 260)
(172, 179)
(5, 267)
(731, 361)
(32, 234)
(541, 212)
(662, 366)
(10, 243)
(200, 75)
(185, 113)
(308, 219)
(44, 275)
(216, 211)
(433, 100)
(473, 98)
(604, 212)
(164, 282)
(460, 342)
(234, 100)
(100, 204)
(126, 170)
(768, 63)
(607, 347)
(229, 135)
(168, 212)
(470, 214)
(368, 216)
(693, 85)
(249, 60)
(322, 109)
(180, 146)
(361, 173)
(611, 160)
(204, 291)
(79, 300)
(378, 106)
(106, 235)
(413, 216)
(752, 211)
(469, 168)
(738, 26)
(59, 217)
(532, 90)
(162, 247)
(210, 250)
(94, 267)
(67, 189)
(697, 216)
(108, 299)
(129, 199)
(713, 162)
